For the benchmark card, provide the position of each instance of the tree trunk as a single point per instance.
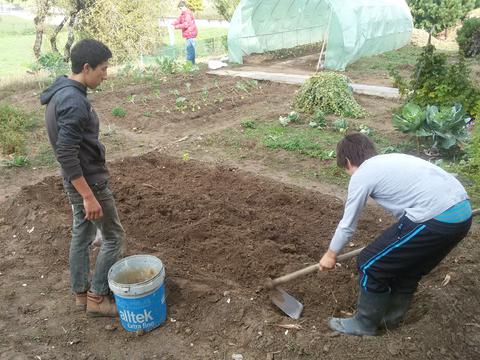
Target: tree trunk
(39, 21)
(53, 38)
(71, 35)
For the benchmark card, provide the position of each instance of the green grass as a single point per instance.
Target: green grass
(396, 58)
(14, 25)
(15, 127)
(17, 37)
(314, 143)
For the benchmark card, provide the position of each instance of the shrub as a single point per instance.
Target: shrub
(435, 82)
(330, 93)
(468, 37)
(53, 63)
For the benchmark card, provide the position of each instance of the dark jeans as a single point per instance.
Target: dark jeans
(83, 234)
(406, 251)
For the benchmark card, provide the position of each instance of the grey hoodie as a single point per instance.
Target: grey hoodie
(73, 128)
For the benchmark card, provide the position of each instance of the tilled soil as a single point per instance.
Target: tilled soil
(220, 233)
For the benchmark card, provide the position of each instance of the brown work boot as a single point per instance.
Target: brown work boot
(101, 305)
(81, 301)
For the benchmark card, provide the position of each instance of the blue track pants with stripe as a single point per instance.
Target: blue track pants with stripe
(406, 251)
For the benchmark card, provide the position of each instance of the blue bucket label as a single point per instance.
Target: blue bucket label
(142, 313)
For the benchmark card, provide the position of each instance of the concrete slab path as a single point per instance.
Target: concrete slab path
(298, 79)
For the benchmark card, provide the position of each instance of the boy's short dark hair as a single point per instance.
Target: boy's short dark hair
(182, 3)
(88, 51)
(356, 148)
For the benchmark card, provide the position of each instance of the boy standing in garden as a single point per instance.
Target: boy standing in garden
(433, 213)
(186, 22)
(73, 129)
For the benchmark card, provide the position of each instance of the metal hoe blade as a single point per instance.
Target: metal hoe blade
(286, 302)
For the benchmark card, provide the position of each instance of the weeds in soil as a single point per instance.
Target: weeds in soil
(131, 98)
(245, 85)
(299, 139)
(204, 94)
(181, 103)
(16, 161)
(248, 124)
(15, 128)
(119, 112)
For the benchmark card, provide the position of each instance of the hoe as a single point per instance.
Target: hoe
(286, 302)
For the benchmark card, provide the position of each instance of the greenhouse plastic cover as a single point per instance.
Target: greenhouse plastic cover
(354, 28)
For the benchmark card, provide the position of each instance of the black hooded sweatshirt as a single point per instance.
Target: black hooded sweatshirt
(73, 128)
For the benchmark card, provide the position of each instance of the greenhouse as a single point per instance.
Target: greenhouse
(348, 29)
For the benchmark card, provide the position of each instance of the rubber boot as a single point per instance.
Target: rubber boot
(371, 308)
(398, 306)
(101, 305)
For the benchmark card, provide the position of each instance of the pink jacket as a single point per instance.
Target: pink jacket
(186, 22)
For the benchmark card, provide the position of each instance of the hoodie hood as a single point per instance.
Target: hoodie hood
(60, 83)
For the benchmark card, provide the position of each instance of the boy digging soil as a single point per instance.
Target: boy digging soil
(73, 128)
(433, 213)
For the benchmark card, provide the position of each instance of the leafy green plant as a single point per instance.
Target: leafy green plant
(167, 65)
(341, 125)
(442, 128)
(181, 102)
(188, 67)
(468, 37)
(119, 112)
(248, 124)
(245, 85)
(410, 120)
(292, 116)
(53, 63)
(318, 120)
(364, 129)
(240, 85)
(16, 161)
(330, 93)
(204, 94)
(468, 168)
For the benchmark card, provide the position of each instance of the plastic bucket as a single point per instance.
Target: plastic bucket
(137, 283)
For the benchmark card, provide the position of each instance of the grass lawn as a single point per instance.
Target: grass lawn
(16, 43)
(17, 37)
(396, 58)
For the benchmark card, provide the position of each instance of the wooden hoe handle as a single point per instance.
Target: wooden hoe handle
(309, 269)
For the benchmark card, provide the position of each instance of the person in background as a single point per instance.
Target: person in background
(186, 22)
(433, 214)
(73, 128)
